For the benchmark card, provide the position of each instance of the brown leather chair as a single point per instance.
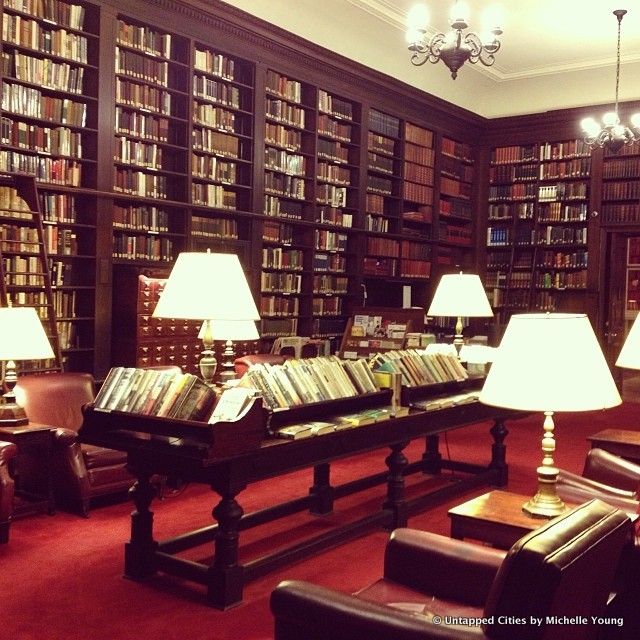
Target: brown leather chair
(564, 568)
(611, 478)
(80, 471)
(7, 451)
(242, 364)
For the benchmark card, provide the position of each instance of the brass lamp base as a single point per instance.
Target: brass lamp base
(12, 414)
(546, 503)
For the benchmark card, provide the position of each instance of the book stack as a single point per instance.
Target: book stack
(418, 368)
(338, 423)
(298, 382)
(153, 392)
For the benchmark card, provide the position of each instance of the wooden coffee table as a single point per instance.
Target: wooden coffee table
(620, 442)
(495, 517)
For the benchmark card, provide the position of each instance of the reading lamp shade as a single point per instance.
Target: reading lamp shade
(232, 330)
(205, 286)
(629, 357)
(22, 336)
(550, 362)
(460, 295)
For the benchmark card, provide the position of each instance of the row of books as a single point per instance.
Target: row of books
(457, 150)
(577, 168)
(627, 190)
(69, 15)
(154, 392)
(421, 367)
(334, 106)
(142, 125)
(419, 135)
(28, 101)
(455, 168)
(144, 39)
(143, 96)
(320, 379)
(621, 168)
(338, 423)
(214, 63)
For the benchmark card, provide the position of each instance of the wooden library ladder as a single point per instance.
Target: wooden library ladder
(23, 282)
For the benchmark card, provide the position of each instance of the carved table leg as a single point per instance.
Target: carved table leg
(140, 550)
(396, 462)
(321, 492)
(499, 452)
(225, 576)
(432, 458)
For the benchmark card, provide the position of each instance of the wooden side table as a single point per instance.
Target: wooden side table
(495, 517)
(621, 442)
(32, 467)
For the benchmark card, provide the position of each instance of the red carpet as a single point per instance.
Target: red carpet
(61, 576)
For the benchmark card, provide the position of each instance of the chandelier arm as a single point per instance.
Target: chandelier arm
(619, 15)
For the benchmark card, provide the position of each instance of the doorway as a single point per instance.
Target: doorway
(621, 304)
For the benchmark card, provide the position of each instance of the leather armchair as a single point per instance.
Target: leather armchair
(7, 451)
(80, 471)
(564, 568)
(606, 476)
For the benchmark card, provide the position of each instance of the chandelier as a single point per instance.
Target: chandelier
(612, 135)
(454, 48)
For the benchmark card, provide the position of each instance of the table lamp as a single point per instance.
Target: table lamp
(460, 295)
(22, 337)
(549, 362)
(629, 357)
(230, 330)
(207, 286)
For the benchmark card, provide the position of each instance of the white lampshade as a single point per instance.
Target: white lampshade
(629, 357)
(460, 295)
(22, 336)
(205, 286)
(232, 330)
(550, 362)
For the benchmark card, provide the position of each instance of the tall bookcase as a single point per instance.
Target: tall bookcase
(50, 54)
(621, 186)
(538, 216)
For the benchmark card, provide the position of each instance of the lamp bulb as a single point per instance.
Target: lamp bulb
(414, 35)
(492, 18)
(635, 120)
(417, 18)
(590, 127)
(610, 119)
(459, 12)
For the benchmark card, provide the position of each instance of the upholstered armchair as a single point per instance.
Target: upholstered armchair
(7, 451)
(564, 568)
(606, 476)
(80, 471)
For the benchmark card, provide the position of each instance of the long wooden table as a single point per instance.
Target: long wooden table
(224, 577)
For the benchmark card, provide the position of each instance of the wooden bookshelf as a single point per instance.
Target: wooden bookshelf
(49, 130)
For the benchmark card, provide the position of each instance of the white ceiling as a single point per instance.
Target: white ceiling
(555, 53)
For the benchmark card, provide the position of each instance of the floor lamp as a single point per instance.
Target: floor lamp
(208, 287)
(460, 295)
(629, 357)
(549, 362)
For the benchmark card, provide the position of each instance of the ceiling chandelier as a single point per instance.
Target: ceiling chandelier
(454, 48)
(612, 135)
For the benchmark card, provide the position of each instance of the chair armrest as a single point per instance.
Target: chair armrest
(577, 489)
(7, 451)
(612, 470)
(310, 612)
(64, 437)
(457, 570)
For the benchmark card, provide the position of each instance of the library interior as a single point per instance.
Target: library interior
(292, 297)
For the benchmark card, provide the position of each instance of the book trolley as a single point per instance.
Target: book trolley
(228, 456)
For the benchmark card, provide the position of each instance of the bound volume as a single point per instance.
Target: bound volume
(168, 394)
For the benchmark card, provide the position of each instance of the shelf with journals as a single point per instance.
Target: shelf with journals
(151, 142)
(561, 250)
(287, 243)
(455, 219)
(50, 130)
(510, 232)
(337, 206)
(621, 186)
